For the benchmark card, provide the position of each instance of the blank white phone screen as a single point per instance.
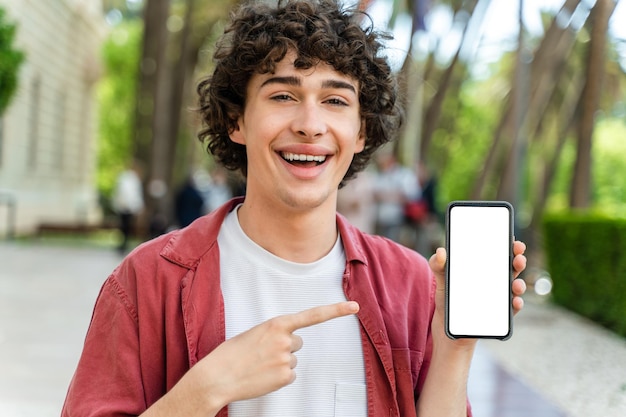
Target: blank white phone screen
(479, 271)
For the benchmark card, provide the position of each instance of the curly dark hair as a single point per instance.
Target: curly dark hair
(259, 36)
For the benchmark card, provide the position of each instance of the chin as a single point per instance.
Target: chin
(305, 201)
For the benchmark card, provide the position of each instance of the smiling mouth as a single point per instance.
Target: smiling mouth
(303, 159)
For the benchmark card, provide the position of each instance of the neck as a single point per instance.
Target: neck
(299, 236)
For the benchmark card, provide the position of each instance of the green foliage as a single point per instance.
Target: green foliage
(609, 169)
(461, 144)
(584, 254)
(116, 95)
(10, 61)
(558, 198)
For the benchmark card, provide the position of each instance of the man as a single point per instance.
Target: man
(395, 185)
(273, 305)
(128, 202)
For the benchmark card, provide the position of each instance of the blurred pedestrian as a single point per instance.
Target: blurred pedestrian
(355, 200)
(394, 186)
(428, 224)
(219, 191)
(188, 203)
(128, 202)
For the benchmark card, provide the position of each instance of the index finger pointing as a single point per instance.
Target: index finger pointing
(317, 315)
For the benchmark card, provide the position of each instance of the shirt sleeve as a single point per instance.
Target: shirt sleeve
(107, 380)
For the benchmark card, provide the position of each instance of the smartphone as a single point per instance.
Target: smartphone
(479, 243)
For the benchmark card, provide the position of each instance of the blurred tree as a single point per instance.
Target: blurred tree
(116, 97)
(151, 115)
(174, 33)
(465, 127)
(10, 61)
(580, 196)
(561, 114)
(463, 12)
(546, 67)
(538, 92)
(555, 134)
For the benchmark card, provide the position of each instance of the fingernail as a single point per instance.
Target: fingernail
(354, 306)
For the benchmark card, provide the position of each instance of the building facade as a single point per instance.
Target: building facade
(48, 133)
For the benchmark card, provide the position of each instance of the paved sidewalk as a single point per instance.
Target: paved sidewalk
(46, 298)
(495, 392)
(574, 363)
(47, 295)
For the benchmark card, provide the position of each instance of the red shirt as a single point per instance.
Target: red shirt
(162, 310)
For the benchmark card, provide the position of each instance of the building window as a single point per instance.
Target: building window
(85, 134)
(59, 149)
(33, 123)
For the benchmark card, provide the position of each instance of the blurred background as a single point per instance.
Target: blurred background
(516, 100)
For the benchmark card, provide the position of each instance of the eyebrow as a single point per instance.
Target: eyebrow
(296, 81)
(338, 84)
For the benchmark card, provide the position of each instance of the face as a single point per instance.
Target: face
(301, 129)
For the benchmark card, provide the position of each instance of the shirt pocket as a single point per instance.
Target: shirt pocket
(406, 364)
(350, 400)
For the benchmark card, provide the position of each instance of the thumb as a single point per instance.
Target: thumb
(437, 261)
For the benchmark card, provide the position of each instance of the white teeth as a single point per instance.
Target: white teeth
(302, 157)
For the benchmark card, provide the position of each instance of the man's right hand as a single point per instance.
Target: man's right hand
(249, 365)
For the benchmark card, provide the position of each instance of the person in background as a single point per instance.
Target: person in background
(127, 202)
(356, 202)
(428, 223)
(219, 190)
(273, 304)
(189, 203)
(394, 186)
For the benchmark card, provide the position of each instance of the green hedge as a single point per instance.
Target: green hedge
(586, 258)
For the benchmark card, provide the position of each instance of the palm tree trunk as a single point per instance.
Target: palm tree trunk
(544, 73)
(580, 196)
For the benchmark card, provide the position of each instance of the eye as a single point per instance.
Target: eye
(281, 97)
(337, 102)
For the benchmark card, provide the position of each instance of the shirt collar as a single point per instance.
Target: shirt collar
(186, 246)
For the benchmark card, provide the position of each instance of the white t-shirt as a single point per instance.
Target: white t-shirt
(257, 286)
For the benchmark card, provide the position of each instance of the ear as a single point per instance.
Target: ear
(360, 142)
(236, 135)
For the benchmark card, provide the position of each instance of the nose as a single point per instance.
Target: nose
(309, 122)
